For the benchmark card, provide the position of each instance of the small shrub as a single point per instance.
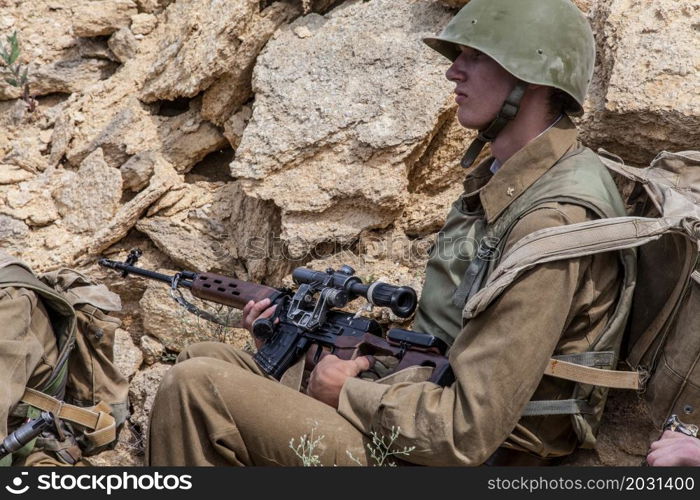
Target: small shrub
(17, 74)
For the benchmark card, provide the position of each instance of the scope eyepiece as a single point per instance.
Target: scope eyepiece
(402, 300)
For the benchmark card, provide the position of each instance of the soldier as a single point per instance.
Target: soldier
(519, 69)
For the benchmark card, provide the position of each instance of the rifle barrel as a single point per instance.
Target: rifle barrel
(127, 269)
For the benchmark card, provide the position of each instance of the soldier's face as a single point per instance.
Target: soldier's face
(481, 87)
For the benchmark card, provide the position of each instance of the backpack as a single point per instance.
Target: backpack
(661, 343)
(85, 390)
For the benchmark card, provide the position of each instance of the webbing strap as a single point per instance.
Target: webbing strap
(592, 376)
(572, 241)
(556, 407)
(96, 418)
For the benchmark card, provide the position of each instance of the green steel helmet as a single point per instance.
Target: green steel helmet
(544, 42)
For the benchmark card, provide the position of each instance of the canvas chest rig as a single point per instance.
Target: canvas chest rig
(468, 249)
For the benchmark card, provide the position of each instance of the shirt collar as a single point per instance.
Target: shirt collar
(522, 169)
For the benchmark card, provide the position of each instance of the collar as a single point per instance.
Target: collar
(522, 169)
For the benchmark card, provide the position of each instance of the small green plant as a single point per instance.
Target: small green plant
(380, 449)
(17, 74)
(306, 449)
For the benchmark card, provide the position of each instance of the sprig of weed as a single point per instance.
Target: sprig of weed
(17, 73)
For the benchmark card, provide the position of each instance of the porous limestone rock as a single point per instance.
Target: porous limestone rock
(101, 17)
(645, 95)
(142, 392)
(127, 357)
(233, 87)
(201, 42)
(341, 115)
(31, 201)
(215, 227)
(152, 349)
(143, 24)
(125, 218)
(123, 44)
(89, 198)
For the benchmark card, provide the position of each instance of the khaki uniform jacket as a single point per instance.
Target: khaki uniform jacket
(499, 357)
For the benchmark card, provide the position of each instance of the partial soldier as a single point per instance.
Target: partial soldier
(520, 69)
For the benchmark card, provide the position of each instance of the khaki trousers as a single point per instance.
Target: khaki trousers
(216, 407)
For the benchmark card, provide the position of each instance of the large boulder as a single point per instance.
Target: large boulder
(645, 96)
(345, 104)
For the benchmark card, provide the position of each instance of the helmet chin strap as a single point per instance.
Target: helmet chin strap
(508, 111)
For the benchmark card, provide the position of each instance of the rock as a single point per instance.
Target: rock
(152, 6)
(69, 76)
(127, 215)
(439, 168)
(31, 201)
(127, 357)
(83, 213)
(123, 44)
(60, 139)
(200, 44)
(644, 97)
(11, 229)
(9, 174)
(233, 88)
(365, 118)
(137, 171)
(236, 124)
(219, 228)
(152, 349)
(187, 138)
(101, 17)
(142, 392)
(143, 24)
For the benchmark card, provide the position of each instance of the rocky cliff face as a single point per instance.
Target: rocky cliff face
(249, 137)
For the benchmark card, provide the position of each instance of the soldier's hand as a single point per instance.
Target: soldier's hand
(330, 374)
(674, 449)
(254, 311)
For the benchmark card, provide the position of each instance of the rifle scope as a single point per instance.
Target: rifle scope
(401, 300)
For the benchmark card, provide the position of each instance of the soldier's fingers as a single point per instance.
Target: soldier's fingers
(247, 307)
(268, 312)
(673, 435)
(261, 306)
(363, 363)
